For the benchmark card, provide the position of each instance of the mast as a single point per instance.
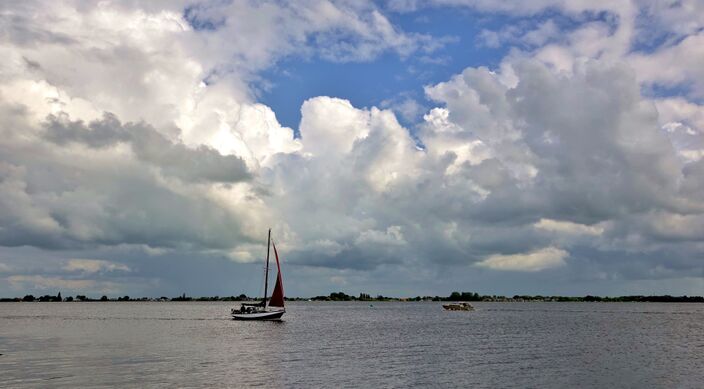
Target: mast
(266, 272)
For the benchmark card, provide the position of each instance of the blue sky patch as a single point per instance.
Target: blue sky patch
(388, 77)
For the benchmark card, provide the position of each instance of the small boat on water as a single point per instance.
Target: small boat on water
(267, 309)
(458, 307)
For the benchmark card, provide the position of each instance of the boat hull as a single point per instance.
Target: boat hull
(458, 307)
(268, 315)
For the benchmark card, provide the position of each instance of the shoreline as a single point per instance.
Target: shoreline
(365, 298)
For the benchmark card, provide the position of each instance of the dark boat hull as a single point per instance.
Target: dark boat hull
(458, 307)
(269, 315)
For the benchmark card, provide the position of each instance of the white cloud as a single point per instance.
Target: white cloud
(618, 35)
(406, 107)
(41, 282)
(94, 266)
(568, 227)
(671, 226)
(515, 35)
(392, 236)
(542, 259)
(671, 110)
(683, 122)
(678, 65)
(331, 126)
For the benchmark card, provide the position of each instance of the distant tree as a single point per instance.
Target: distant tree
(58, 297)
(28, 298)
(69, 299)
(182, 298)
(339, 296)
(104, 298)
(80, 297)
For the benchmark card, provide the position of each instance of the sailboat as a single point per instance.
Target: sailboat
(267, 309)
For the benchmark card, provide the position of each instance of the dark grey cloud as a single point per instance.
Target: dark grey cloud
(172, 157)
(77, 190)
(19, 29)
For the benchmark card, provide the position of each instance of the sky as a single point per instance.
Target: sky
(395, 147)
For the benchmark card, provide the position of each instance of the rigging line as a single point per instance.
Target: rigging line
(250, 286)
(266, 272)
(261, 284)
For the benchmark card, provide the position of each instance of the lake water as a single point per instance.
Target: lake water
(194, 344)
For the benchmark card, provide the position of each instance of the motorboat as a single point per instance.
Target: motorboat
(458, 307)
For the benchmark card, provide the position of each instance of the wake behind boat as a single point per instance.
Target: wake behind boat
(267, 309)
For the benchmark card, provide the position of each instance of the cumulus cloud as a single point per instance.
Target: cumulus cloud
(146, 133)
(94, 266)
(44, 283)
(406, 107)
(503, 172)
(258, 33)
(61, 197)
(568, 227)
(520, 35)
(676, 65)
(173, 158)
(546, 258)
(623, 30)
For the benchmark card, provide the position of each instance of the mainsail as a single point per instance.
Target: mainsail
(277, 297)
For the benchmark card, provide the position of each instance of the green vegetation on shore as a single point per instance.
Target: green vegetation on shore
(470, 296)
(341, 296)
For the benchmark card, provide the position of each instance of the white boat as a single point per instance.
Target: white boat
(267, 309)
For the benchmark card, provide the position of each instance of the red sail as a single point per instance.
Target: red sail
(277, 298)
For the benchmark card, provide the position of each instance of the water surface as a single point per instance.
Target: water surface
(324, 344)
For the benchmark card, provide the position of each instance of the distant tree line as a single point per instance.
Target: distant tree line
(83, 298)
(465, 296)
(473, 296)
(341, 296)
(650, 299)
